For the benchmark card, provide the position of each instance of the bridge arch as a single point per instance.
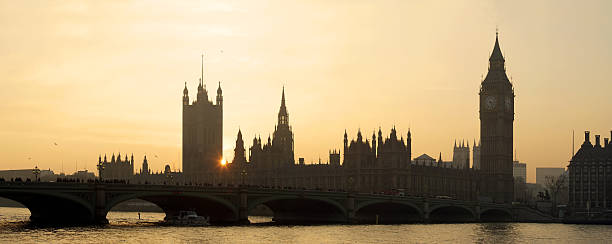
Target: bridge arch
(301, 209)
(496, 215)
(54, 207)
(219, 210)
(447, 213)
(387, 212)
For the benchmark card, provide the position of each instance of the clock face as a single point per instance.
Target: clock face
(490, 102)
(508, 103)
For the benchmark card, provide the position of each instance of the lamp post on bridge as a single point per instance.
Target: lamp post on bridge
(170, 178)
(100, 170)
(243, 217)
(36, 173)
(350, 201)
(243, 175)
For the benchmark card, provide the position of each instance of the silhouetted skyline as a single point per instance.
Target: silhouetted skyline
(80, 79)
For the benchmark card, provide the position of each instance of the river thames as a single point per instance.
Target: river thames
(125, 227)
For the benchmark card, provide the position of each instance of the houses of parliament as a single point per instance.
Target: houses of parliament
(379, 162)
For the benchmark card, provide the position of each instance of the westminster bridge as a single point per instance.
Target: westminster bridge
(89, 203)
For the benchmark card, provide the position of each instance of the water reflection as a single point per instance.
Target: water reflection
(495, 232)
(126, 227)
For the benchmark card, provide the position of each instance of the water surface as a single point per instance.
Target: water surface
(125, 227)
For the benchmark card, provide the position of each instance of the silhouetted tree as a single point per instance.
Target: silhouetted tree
(557, 186)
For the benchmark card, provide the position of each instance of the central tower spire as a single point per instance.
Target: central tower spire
(283, 116)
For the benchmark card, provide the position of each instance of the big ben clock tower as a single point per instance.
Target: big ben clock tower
(496, 121)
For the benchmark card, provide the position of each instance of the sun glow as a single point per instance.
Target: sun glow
(223, 162)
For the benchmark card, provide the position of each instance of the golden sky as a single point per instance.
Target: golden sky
(100, 77)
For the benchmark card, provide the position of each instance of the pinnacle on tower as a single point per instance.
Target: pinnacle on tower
(496, 54)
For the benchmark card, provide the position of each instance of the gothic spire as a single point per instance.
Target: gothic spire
(497, 68)
(283, 116)
(219, 95)
(283, 98)
(496, 54)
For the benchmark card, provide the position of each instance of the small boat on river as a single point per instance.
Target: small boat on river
(186, 218)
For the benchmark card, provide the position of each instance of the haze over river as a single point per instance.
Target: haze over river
(126, 227)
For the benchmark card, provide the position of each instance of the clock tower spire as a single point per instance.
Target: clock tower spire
(496, 130)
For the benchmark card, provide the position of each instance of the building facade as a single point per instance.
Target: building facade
(202, 133)
(376, 164)
(519, 170)
(543, 173)
(461, 155)
(380, 164)
(117, 168)
(590, 175)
